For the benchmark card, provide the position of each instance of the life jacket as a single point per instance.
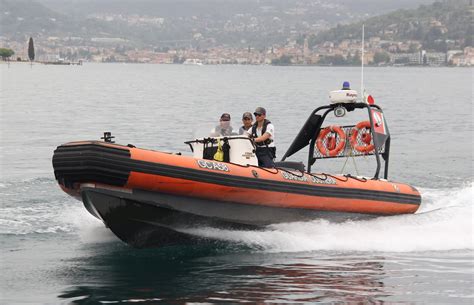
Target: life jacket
(264, 129)
(219, 155)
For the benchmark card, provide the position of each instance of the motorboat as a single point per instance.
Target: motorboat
(193, 61)
(152, 198)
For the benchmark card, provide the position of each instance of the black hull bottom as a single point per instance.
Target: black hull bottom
(144, 226)
(145, 219)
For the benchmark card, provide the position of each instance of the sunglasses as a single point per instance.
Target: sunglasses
(257, 114)
(247, 119)
(225, 120)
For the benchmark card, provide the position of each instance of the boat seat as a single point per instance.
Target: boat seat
(291, 165)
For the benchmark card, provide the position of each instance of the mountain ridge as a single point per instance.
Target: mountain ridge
(432, 25)
(179, 23)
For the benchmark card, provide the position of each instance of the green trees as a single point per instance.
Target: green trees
(339, 60)
(381, 57)
(284, 60)
(6, 53)
(431, 25)
(31, 50)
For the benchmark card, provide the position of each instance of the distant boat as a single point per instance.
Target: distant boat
(193, 61)
(61, 62)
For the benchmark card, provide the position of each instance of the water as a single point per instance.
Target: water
(53, 251)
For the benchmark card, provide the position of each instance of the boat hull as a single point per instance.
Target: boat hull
(150, 198)
(139, 224)
(148, 219)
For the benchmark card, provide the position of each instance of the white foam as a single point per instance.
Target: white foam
(96, 234)
(58, 216)
(89, 228)
(445, 222)
(37, 219)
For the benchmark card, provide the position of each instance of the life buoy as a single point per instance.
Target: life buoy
(365, 137)
(331, 151)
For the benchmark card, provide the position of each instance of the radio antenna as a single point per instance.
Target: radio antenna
(362, 65)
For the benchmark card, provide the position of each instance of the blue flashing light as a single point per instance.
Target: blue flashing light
(346, 85)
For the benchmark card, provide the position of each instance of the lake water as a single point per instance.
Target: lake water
(53, 251)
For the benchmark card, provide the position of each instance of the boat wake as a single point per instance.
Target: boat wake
(444, 222)
(34, 206)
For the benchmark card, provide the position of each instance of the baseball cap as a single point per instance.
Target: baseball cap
(260, 110)
(247, 115)
(225, 117)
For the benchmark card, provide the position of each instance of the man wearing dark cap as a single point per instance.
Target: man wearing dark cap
(263, 133)
(247, 121)
(223, 129)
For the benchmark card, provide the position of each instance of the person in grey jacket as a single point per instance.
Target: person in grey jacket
(224, 128)
(247, 121)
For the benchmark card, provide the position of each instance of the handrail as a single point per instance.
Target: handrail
(214, 140)
(350, 107)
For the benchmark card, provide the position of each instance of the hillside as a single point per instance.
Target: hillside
(435, 26)
(24, 18)
(226, 8)
(184, 23)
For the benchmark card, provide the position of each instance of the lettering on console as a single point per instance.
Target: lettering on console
(213, 165)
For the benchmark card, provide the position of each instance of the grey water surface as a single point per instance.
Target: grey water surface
(53, 251)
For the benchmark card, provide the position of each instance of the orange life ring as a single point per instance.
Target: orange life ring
(327, 151)
(366, 139)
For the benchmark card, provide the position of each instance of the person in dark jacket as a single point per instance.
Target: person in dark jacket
(263, 133)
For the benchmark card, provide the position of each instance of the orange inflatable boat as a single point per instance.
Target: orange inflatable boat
(152, 198)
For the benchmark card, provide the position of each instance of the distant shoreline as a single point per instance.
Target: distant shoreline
(168, 64)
